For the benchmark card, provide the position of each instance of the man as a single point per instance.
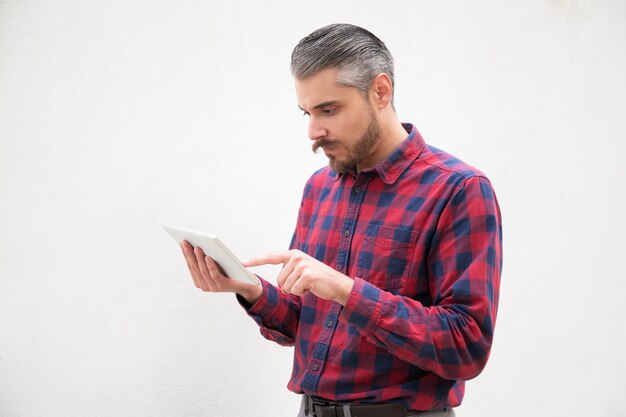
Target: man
(390, 290)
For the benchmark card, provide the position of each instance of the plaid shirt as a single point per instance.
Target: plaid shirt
(421, 235)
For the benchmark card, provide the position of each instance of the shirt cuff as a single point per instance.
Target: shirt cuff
(264, 304)
(364, 305)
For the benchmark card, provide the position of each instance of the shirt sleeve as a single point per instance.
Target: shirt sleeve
(276, 313)
(453, 337)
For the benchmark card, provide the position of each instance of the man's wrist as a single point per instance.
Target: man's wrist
(344, 290)
(253, 294)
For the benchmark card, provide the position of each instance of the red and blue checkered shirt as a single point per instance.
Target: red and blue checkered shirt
(421, 235)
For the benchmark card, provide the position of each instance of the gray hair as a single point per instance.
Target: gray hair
(357, 53)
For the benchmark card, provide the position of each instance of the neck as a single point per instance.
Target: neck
(392, 134)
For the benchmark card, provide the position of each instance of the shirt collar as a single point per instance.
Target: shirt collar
(400, 159)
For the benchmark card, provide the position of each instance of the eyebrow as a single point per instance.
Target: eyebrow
(323, 104)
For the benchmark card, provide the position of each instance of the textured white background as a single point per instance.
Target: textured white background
(119, 116)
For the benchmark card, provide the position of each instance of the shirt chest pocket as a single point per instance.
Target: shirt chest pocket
(386, 255)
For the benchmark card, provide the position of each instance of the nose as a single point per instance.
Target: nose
(316, 131)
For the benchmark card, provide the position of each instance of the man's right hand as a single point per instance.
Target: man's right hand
(208, 276)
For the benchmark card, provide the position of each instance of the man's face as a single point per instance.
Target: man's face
(341, 121)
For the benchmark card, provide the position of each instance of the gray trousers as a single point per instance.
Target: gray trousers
(346, 412)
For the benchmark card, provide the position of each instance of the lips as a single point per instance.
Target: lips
(327, 148)
(325, 144)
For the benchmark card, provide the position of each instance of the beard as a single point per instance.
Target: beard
(357, 152)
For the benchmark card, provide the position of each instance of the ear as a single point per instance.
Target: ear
(381, 90)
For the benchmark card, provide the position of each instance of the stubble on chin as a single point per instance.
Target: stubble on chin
(356, 154)
(333, 163)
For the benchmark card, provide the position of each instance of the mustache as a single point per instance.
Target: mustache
(323, 142)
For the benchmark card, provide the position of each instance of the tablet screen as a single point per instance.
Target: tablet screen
(213, 247)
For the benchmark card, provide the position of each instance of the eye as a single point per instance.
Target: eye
(328, 110)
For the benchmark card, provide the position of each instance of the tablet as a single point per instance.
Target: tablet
(213, 247)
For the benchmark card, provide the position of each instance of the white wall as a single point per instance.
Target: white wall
(119, 116)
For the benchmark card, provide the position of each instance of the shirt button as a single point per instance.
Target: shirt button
(357, 190)
(346, 233)
(330, 323)
(314, 367)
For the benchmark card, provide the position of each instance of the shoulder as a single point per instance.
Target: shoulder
(438, 166)
(466, 185)
(449, 164)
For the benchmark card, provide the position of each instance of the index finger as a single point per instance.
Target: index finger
(271, 259)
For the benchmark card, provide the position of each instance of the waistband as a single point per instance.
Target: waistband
(317, 408)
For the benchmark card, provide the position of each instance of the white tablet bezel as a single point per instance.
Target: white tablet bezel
(215, 248)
